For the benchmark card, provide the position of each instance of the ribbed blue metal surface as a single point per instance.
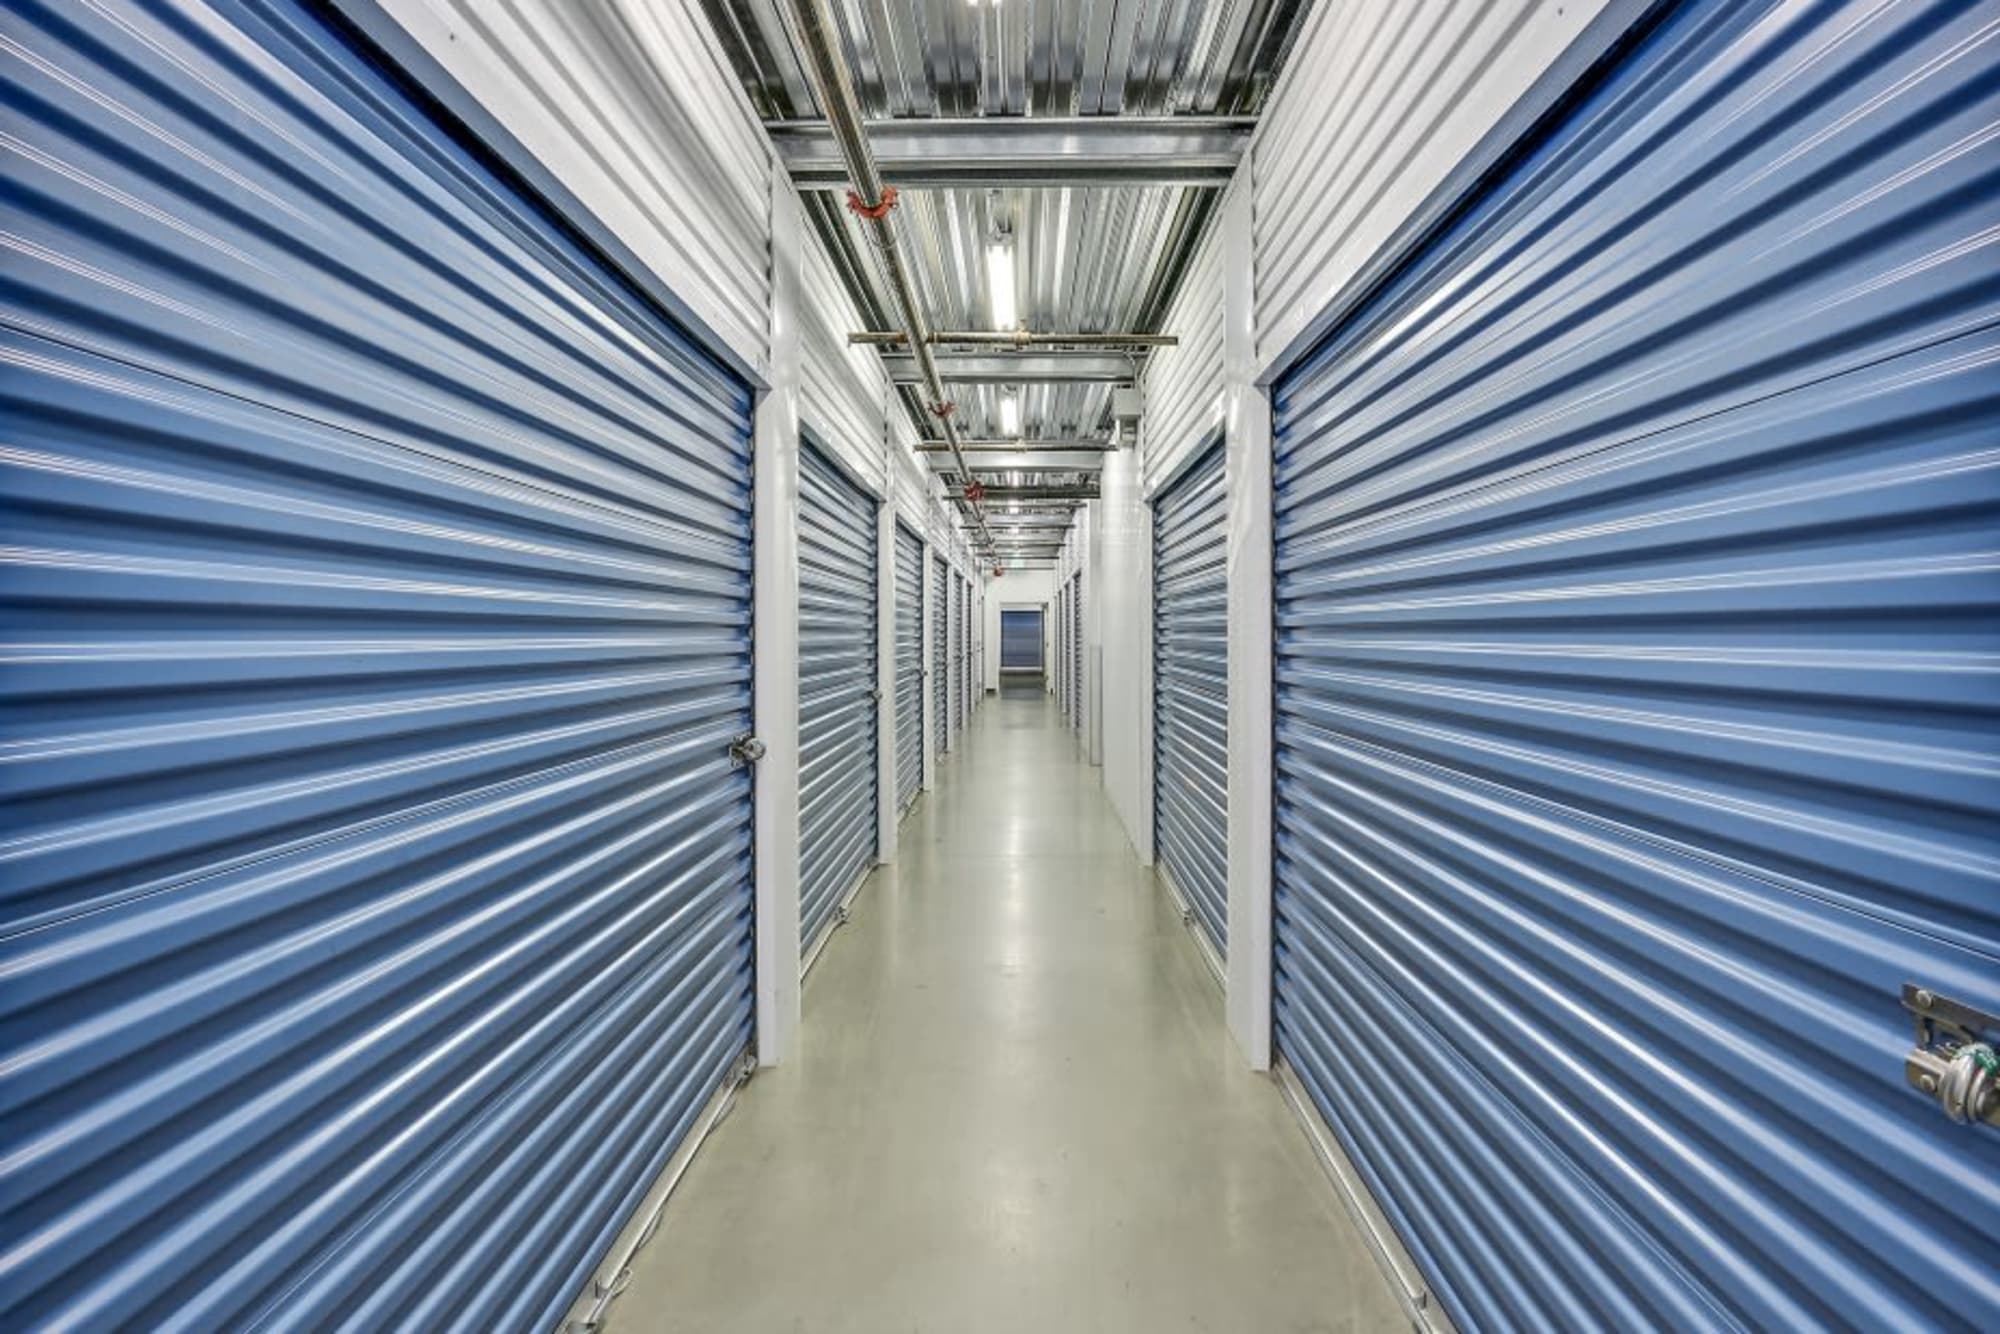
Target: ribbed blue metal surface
(376, 601)
(1062, 648)
(837, 684)
(1638, 636)
(1020, 639)
(941, 653)
(1059, 650)
(1077, 691)
(909, 667)
(1191, 690)
(958, 663)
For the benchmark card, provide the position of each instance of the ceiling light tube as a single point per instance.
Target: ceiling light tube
(1000, 283)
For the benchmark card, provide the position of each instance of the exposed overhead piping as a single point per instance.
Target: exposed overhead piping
(1012, 338)
(813, 26)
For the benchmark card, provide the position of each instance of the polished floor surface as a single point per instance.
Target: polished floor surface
(1014, 1106)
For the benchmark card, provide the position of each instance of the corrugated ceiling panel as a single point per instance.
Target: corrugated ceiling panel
(950, 58)
(1384, 100)
(636, 109)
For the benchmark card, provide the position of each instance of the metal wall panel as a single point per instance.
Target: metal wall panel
(1191, 690)
(909, 666)
(941, 653)
(1381, 101)
(376, 881)
(843, 393)
(633, 108)
(837, 689)
(1184, 383)
(1637, 640)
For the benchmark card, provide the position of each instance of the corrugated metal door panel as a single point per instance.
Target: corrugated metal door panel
(1191, 690)
(1062, 650)
(958, 652)
(1020, 640)
(940, 653)
(837, 685)
(1078, 685)
(909, 666)
(377, 603)
(1636, 693)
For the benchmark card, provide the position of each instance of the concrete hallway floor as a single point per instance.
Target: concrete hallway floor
(1014, 1105)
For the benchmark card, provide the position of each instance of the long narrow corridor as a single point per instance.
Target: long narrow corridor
(1014, 1105)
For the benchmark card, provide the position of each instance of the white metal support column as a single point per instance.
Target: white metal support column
(1247, 460)
(775, 610)
(886, 786)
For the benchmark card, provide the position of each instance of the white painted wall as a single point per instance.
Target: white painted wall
(1124, 530)
(1382, 103)
(1016, 588)
(632, 107)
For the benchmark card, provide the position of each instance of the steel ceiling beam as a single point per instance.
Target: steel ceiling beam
(1015, 338)
(999, 494)
(1015, 368)
(1027, 460)
(1024, 445)
(1048, 151)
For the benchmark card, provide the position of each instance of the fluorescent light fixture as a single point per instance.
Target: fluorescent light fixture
(1000, 283)
(1010, 415)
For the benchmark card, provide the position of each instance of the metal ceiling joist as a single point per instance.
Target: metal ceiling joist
(1015, 338)
(1001, 494)
(1016, 368)
(1006, 445)
(1025, 151)
(1036, 460)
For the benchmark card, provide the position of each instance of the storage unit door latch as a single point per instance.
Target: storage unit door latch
(1954, 1060)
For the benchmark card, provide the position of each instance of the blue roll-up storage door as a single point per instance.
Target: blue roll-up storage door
(909, 667)
(1020, 640)
(1191, 691)
(1077, 693)
(1062, 649)
(837, 687)
(376, 602)
(940, 654)
(957, 652)
(1636, 707)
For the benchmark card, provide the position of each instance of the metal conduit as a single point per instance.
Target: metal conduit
(814, 26)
